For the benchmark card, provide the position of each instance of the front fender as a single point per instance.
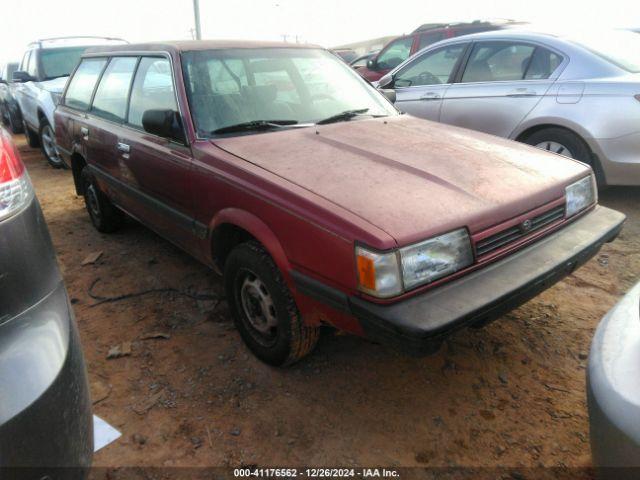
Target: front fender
(259, 230)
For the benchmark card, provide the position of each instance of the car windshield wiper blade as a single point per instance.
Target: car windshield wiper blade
(346, 115)
(255, 125)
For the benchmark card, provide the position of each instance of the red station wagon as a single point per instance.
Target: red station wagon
(320, 203)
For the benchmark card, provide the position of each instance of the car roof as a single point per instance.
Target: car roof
(178, 46)
(76, 41)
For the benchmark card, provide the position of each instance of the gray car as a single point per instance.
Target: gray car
(538, 88)
(46, 428)
(9, 109)
(613, 391)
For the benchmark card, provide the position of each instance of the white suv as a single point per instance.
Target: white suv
(42, 76)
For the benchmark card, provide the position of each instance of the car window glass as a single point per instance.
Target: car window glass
(543, 64)
(430, 69)
(427, 39)
(25, 61)
(396, 53)
(60, 62)
(152, 89)
(83, 82)
(275, 75)
(12, 67)
(31, 66)
(499, 61)
(110, 100)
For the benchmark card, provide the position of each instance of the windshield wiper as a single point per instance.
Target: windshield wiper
(346, 115)
(255, 125)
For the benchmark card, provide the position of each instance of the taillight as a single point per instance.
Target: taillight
(15, 187)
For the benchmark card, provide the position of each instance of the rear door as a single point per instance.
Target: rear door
(28, 91)
(421, 84)
(156, 170)
(501, 83)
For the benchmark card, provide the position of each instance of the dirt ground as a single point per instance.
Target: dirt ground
(511, 394)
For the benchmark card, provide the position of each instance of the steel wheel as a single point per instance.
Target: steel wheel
(555, 147)
(49, 145)
(258, 308)
(92, 200)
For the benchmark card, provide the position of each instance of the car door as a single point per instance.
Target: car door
(501, 83)
(157, 169)
(421, 84)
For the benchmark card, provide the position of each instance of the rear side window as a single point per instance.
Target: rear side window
(543, 64)
(110, 101)
(83, 82)
(152, 89)
(497, 61)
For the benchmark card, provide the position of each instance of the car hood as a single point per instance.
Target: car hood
(55, 85)
(410, 177)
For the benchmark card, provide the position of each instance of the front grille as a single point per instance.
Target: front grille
(511, 234)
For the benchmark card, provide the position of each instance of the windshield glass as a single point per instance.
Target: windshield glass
(235, 86)
(59, 62)
(618, 47)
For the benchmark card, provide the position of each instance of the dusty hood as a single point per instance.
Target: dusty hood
(410, 177)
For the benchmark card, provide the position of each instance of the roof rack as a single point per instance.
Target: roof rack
(78, 37)
(433, 26)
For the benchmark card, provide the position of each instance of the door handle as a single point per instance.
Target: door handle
(521, 92)
(84, 131)
(123, 147)
(430, 96)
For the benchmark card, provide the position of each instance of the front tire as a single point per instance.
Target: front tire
(263, 309)
(48, 145)
(32, 138)
(105, 216)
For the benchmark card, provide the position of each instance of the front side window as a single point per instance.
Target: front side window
(396, 53)
(32, 66)
(152, 89)
(289, 85)
(59, 62)
(82, 84)
(432, 68)
(497, 61)
(110, 100)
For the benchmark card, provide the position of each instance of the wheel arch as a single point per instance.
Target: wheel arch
(233, 226)
(77, 165)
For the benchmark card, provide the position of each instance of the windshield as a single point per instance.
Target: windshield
(618, 47)
(286, 85)
(59, 62)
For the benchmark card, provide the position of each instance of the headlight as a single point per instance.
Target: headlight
(435, 258)
(390, 273)
(580, 195)
(378, 273)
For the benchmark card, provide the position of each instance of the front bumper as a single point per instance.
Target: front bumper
(613, 391)
(419, 324)
(46, 425)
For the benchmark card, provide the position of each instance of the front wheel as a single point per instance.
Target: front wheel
(263, 309)
(48, 145)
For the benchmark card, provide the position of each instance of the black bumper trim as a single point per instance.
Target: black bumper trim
(418, 325)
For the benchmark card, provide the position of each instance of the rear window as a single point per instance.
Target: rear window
(59, 62)
(618, 47)
(83, 82)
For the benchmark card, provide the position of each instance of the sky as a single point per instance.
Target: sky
(324, 22)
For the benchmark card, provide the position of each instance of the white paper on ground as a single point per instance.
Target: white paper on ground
(103, 433)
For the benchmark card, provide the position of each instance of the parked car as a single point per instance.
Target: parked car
(613, 391)
(537, 88)
(43, 73)
(362, 60)
(9, 109)
(398, 50)
(281, 167)
(45, 415)
(345, 54)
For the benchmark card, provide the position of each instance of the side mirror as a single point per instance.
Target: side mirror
(164, 123)
(389, 93)
(371, 64)
(385, 81)
(20, 76)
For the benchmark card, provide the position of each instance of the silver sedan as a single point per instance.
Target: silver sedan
(577, 96)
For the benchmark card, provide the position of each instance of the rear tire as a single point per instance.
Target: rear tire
(48, 145)
(263, 309)
(564, 142)
(32, 138)
(105, 216)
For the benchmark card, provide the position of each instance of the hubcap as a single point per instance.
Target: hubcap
(49, 144)
(258, 308)
(555, 147)
(92, 200)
